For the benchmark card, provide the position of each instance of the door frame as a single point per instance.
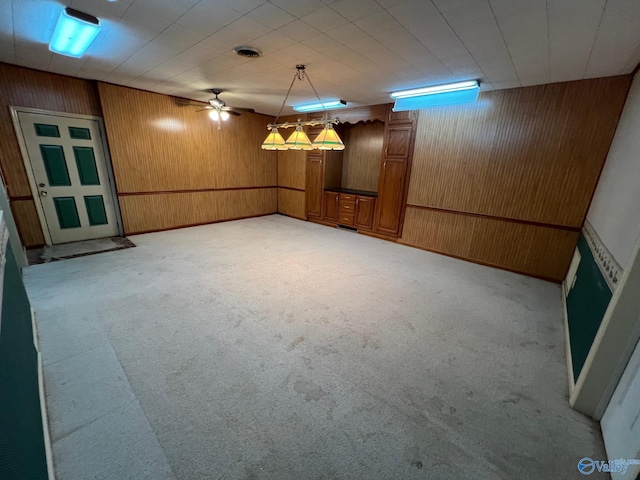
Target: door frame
(32, 181)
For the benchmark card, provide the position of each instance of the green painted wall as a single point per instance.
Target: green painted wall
(587, 303)
(22, 451)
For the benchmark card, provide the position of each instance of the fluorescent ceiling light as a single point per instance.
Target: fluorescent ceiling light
(451, 94)
(320, 106)
(451, 87)
(74, 33)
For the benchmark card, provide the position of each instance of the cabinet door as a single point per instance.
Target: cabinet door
(331, 206)
(364, 212)
(398, 141)
(314, 186)
(390, 193)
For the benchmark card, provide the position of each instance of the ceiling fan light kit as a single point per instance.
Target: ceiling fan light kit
(328, 139)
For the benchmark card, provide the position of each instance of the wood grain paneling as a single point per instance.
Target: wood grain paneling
(291, 168)
(533, 250)
(23, 87)
(291, 203)
(333, 169)
(145, 213)
(361, 163)
(26, 218)
(529, 154)
(533, 153)
(157, 144)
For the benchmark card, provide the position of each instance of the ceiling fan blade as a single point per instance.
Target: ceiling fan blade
(204, 109)
(233, 112)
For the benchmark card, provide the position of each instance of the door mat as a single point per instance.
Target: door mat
(53, 253)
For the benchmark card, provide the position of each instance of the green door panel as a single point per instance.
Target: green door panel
(55, 165)
(95, 210)
(86, 163)
(80, 133)
(587, 303)
(67, 212)
(44, 130)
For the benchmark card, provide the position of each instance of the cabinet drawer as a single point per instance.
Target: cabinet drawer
(347, 207)
(346, 219)
(347, 197)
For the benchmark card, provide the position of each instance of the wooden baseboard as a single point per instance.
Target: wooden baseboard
(321, 222)
(197, 224)
(292, 216)
(378, 235)
(486, 264)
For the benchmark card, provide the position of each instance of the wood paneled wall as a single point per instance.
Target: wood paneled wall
(23, 87)
(361, 162)
(291, 175)
(164, 211)
(291, 203)
(507, 181)
(158, 146)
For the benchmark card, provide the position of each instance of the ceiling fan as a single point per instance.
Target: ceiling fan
(218, 109)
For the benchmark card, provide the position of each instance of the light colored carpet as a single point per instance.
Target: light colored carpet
(272, 348)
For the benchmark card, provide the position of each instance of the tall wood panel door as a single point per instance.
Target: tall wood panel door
(314, 186)
(73, 185)
(390, 196)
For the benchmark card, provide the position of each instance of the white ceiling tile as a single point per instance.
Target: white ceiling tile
(356, 48)
(299, 31)
(208, 16)
(324, 19)
(616, 40)
(100, 8)
(356, 9)
(298, 8)
(348, 33)
(240, 32)
(272, 41)
(271, 15)
(245, 6)
(140, 16)
(376, 23)
(322, 43)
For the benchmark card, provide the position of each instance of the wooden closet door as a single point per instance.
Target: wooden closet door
(390, 195)
(314, 186)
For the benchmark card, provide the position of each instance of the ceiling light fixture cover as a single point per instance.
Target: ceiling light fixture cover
(320, 106)
(328, 139)
(74, 33)
(450, 94)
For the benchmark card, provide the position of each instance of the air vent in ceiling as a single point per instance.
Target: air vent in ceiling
(247, 52)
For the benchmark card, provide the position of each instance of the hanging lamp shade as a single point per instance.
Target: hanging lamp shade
(298, 140)
(328, 139)
(274, 141)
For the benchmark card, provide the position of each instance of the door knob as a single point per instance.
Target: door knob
(43, 193)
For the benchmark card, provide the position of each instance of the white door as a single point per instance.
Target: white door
(69, 167)
(621, 421)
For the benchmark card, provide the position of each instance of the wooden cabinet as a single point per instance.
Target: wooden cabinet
(314, 186)
(390, 194)
(331, 204)
(364, 212)
(398, 141)
(394, 176)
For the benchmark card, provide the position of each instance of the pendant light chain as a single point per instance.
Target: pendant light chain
(328, 139)
(295, 75)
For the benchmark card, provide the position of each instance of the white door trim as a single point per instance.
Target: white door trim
(27, 163)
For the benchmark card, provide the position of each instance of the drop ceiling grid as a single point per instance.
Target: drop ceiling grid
(358, 50)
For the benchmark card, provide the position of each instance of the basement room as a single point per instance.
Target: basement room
(319, 239)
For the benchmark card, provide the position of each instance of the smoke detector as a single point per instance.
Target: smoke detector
(245, 51)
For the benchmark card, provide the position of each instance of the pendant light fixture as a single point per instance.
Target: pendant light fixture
(328, 139)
